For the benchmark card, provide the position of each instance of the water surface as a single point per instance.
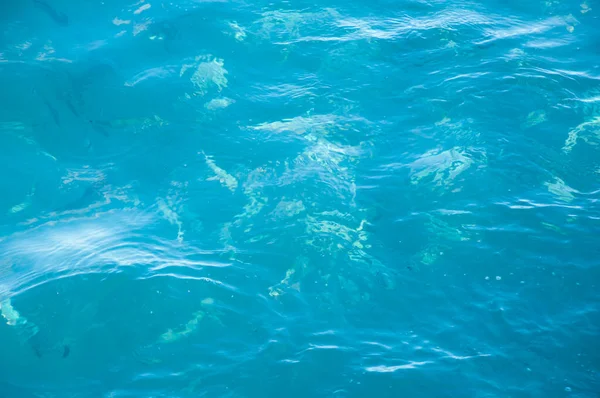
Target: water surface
(255, 199)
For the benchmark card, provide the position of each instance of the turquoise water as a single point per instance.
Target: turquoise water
(342, 199)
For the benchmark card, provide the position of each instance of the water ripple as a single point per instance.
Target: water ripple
(225, 198)
(103, 242)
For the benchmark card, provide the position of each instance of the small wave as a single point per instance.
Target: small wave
(160, 72)
(391, 369)
(103, 242)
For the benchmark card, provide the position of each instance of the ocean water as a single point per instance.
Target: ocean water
(301, 199)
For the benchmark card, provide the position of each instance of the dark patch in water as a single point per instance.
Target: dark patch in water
(99, 70)
(66, 351)
(53, 112)
(99, 127)
(87, 198)
(36, 349)
(165, 30)
(71, 107)
(58, 17)
(101, 123)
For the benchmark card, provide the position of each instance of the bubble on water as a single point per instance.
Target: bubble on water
(210, 72)
(552, 227)
(25, 204)
(428, 256)
(142, 9)
(534, 118)
(207, 301)
(440, 229)
(588, 131)
(11, 315)
(301, 124)
(207, 314)
(141, 26)
(169, 209)
(171, 335)
(440, 168)
(292, 278)
(218, 103)
(288, 26)
(238, 32)
(585, 7)
(568, 389)
(118, 21)
(451, 44)
(498, 278)
(561, 190)
(443, 122)
(221, 175)
(288, 208)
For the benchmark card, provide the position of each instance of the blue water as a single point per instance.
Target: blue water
(332, 199)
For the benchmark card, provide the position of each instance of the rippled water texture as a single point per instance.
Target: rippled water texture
(295, 199)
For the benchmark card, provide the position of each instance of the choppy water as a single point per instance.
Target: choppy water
(255, 199)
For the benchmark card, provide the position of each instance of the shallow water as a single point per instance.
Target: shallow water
(223, 198)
